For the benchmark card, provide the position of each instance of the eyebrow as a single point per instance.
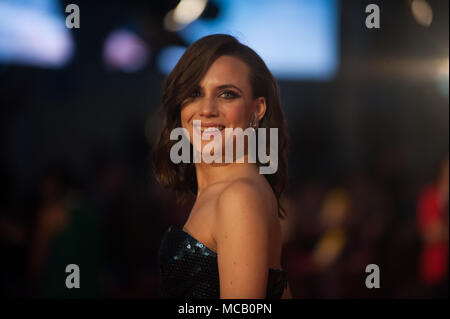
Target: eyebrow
(225, 86)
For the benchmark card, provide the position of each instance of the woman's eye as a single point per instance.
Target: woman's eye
(229, 95)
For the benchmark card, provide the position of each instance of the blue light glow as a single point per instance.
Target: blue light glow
(34, 33)
(298, 39)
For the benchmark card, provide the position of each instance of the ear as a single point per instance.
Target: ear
(260, 107)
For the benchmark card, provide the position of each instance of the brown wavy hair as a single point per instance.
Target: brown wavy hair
(180, 84)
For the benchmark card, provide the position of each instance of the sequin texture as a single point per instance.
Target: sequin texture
(189, 269)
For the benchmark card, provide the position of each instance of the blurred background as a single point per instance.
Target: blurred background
(367, 110)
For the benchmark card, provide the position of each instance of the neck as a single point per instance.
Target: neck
(208, 174)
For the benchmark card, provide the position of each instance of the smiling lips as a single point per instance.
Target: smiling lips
(209, 127)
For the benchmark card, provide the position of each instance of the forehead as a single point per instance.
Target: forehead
(227, 70)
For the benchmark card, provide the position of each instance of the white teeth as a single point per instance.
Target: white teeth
(211, 129)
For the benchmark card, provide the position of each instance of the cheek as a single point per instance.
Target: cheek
(236, 114)
(186, 114)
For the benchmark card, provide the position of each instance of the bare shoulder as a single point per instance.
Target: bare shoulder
(245, 202)
(243, 228)
(246, 193)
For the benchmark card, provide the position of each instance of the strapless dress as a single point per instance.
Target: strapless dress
(188, 269)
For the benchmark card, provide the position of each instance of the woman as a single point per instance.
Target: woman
(230, 246)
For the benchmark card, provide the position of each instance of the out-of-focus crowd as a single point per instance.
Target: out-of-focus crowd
(111, 228)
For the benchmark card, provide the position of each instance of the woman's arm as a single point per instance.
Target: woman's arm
(242, 238)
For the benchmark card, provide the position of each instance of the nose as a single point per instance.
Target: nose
(208, 108)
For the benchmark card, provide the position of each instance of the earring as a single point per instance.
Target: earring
(253, 122)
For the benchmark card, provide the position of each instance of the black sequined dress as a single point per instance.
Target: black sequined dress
(189, 269)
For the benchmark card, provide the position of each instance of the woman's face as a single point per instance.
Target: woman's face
(223, 99)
